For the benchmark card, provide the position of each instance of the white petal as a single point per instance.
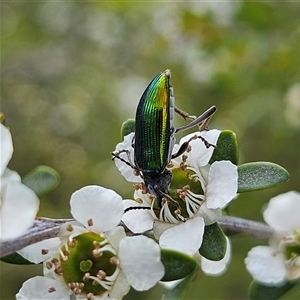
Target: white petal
(137, 220)
(125, 169)
(142, 198)
(6, 147)
(266, 265)
(222, 184)
(211, 136)
(103, 206)
(120, 288)
(77, 229)
(140, 261)
(34, 253)
(160, 227)
(9, 176)
(210, 216)
(200, 154)
(212, 268)
(283, 212)
(185, 237)
(177, 160)
(115, 236)
(18, 210)
(39, 288)
(170, 285)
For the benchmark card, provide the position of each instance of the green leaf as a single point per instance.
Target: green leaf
(127, 127)
(41, 180)
(226, 148)
(178, 291)
(293, 293)
(214, 243)
(16, 258)
(260, 175)
(177, 264)
(258, 291)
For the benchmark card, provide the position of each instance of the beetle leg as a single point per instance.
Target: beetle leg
(201, 121)
(184, 115)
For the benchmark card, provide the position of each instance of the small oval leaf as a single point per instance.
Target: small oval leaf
(127, 127)
(41, 180)
(16, 259)
(260, 175)
(214, 243)
(177, 264)
(226, 148)
(258, 291)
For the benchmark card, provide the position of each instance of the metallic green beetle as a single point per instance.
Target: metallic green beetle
(155, 136)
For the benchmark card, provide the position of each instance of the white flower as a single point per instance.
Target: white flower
(95, 259)
(275, 264)
(212, 187)
(18, 203)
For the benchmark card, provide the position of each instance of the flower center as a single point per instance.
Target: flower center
(88, 264)
(186, 191)
(292, 254)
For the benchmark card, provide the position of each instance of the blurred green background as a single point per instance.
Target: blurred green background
(72, 72)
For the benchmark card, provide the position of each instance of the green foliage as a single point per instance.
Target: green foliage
(177, 265)
(260, 175)
(127, 127)
(16, 259)
(41, 180)
(226, 148)
(178, 292)
(214, 243)
(258, 291)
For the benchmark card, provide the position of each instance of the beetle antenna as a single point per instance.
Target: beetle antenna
(117, 155)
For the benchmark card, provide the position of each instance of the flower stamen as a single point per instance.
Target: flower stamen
(101, 274)
(97, 253)
(44, 251)
(76, 287)
(90, 296)
(51, 290)
(114, 260)
(165, 214)
(58, 270)
(69, 228)
(71, 243)
(49, 265)
(62, 255)
(107, 281)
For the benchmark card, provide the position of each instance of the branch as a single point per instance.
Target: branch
(45, 228)
(256, 229)
(42, 229)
